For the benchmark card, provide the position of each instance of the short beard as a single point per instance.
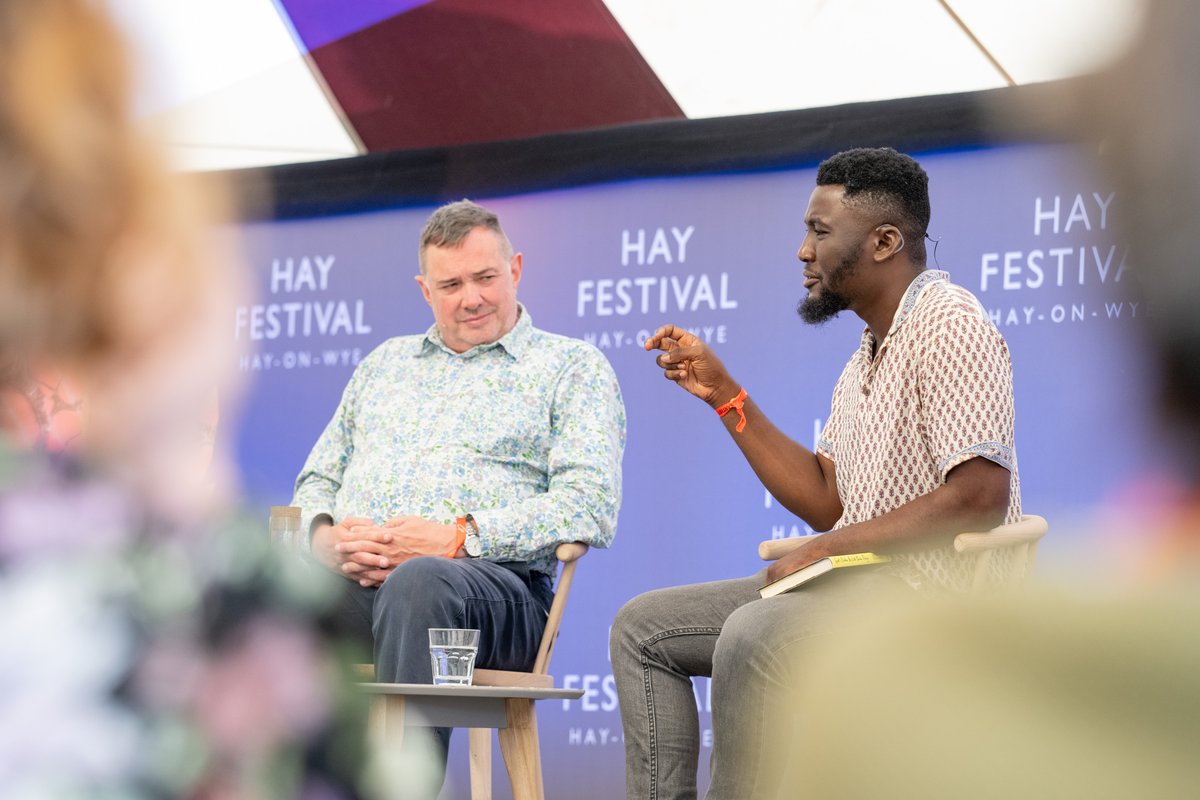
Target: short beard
(822, 308)
(830, 302)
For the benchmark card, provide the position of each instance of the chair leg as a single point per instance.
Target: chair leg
(480, 740)
(519, 745)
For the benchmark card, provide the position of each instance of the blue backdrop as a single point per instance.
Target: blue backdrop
(1025, 227)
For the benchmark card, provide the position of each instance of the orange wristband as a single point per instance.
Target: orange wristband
(735, 405)
(460, 536)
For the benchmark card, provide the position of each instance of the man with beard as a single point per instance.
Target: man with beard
(917, 448)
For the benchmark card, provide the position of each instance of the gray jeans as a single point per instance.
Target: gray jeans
(754, 651)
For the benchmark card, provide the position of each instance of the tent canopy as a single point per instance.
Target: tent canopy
(237, 83)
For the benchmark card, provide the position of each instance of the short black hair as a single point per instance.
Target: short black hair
(890, 182)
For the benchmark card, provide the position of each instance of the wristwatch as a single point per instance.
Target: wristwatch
(471, 543)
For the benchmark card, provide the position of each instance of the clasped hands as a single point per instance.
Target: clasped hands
(362, 551)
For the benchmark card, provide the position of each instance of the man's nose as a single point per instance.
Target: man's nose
(471, 295)
(806, 252)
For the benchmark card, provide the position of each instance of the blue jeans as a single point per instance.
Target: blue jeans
(506, 602)
(753, 649)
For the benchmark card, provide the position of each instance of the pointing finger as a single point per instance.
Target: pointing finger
(667, 333)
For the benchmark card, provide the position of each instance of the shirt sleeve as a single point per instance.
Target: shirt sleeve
(967, 394)
(320, 478)
(587, 430)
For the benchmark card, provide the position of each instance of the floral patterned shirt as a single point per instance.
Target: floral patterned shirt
(525, 434)
(934, 393)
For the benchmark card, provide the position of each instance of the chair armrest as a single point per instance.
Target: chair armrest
(570, 551)
(774, 549)
(1029, 529)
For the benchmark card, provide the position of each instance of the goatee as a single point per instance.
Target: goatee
(830, 302)
(822, 308)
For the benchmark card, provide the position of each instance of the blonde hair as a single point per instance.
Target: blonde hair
(99, 247)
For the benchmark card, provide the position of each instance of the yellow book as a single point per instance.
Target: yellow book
(806, 574)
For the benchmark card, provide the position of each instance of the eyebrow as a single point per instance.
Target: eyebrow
(474, 276)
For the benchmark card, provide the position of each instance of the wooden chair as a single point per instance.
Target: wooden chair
(498, 699)
(519, 740)
(1020, 537)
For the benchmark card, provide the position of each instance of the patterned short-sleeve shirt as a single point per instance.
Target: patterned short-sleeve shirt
(934, 393)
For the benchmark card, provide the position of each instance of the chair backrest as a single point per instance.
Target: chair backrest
(568, 555)
(1020, 538)
(284, 525)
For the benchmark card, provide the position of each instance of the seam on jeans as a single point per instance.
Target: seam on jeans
(650, 727)
(643, 647)
(671, 632)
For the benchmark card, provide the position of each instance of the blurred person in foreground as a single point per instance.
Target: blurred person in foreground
(459, 459)
(1079, 689)
(918, 447)
(150, 649)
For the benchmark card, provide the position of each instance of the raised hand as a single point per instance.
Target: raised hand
(692, 364)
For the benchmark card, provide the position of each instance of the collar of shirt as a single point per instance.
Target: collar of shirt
(907, 303)
(515, 343)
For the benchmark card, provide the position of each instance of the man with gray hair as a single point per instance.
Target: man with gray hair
(459, 459)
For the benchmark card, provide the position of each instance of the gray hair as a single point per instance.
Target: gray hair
(453, 222)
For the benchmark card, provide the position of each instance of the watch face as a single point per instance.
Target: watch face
(471, 543)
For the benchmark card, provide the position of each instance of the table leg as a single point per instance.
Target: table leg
(385, 721)
(519, 744)
(481, 763)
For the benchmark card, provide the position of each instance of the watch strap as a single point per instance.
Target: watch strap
(460, 536)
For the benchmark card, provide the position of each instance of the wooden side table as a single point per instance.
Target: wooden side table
(509, 709)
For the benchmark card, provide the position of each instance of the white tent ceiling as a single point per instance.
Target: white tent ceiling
(224, 85)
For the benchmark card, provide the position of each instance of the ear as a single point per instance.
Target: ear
(516, 263)
(424, 289)
(889, 241)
